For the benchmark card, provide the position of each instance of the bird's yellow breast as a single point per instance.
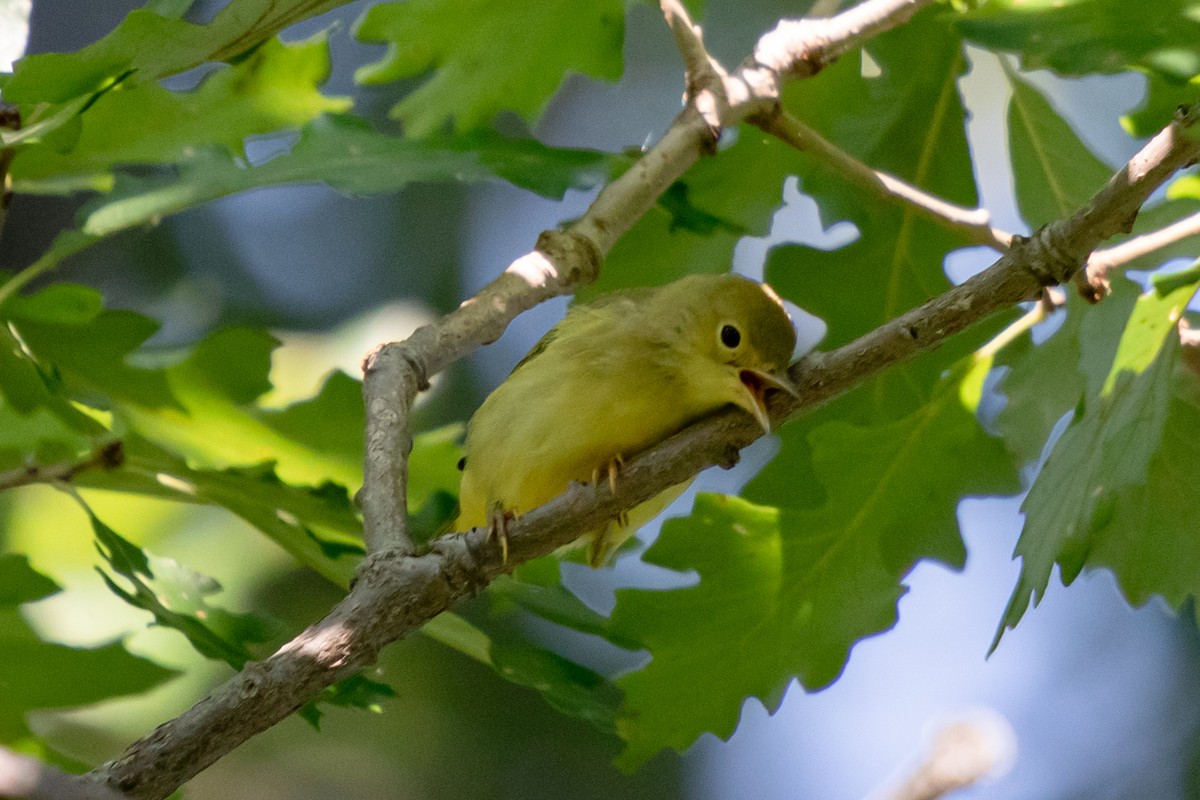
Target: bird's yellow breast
(545, 427)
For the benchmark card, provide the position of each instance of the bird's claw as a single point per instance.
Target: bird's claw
(612, 469)
(497, 530)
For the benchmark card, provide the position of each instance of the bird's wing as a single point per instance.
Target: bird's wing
(586, 319)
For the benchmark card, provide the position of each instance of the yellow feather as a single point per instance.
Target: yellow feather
(615, 377)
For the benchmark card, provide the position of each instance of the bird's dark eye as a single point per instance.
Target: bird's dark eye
(731, 337)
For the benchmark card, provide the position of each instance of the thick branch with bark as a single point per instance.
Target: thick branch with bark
(395, 592)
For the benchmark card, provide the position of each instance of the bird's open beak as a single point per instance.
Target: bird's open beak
(757, 383)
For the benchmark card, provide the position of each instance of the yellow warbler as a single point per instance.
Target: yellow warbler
(615, 377)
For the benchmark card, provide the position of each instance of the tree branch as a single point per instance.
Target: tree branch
(110, 456)
(395, 593)
(974, 222)
(1093, 281)
(799, 48)
(700, 68)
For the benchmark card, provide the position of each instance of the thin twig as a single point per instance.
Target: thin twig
(973, 222)
(110, 456)
(704, 75)
(1054, 254)
(1093, 281)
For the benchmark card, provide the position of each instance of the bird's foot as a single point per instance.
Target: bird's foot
(612, 469)
(497, 530)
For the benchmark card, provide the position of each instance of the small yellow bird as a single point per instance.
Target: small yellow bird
(614, 378)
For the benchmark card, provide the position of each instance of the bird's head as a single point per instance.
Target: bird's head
(742, 338)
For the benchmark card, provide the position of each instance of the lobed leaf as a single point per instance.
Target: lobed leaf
(1045, 382)
(38, 675)
(785, 590)
(1083, 37)
(699, 221)
(349, 155)
(150, 46)
(1053, 171)
(273, 88)
(456, 42)
(176, 597)
(1118, 434)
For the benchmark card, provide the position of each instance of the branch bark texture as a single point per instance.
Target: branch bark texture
(396, 592)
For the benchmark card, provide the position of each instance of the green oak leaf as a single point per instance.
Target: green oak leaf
(54, 89)
(80, 676)
(1084, 37)
(1118, 432)
(785, 592)
(568, 687)
(21, 583)
(348, 154)
(177, 598)
(38, 424)
(1163, 98)
(1054, 172)
(1150, 541)
(42, 439)
(58, 304)
(1045, 382)
(273, 88)
(912, 124)
(1185, 186)
(357, 691)
(908, 120)
(325, 421)
(136, 48)
(216, 423)
(481, 58)
(31, 400)
(318, 525)
(549, 599)
(87, 358)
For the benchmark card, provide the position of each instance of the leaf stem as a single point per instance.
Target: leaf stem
(109, 456)
(974, 222)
